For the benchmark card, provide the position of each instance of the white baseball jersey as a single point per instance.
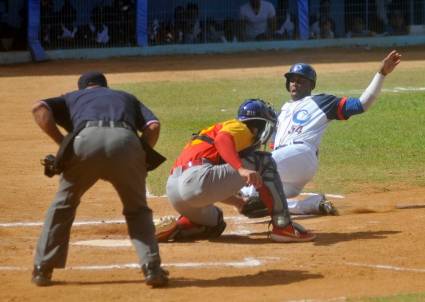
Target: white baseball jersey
(305, 120)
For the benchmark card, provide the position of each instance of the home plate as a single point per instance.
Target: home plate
(104, 243)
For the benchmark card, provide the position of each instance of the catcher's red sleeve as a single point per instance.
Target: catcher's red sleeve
(226, 147)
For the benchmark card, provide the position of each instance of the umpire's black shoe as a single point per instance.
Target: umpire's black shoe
(155, 276)
(42, 276)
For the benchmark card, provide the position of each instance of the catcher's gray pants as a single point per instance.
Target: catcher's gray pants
(112, 154)
(193, 192)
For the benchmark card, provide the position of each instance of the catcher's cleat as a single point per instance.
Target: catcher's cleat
(183, 229)
(293, 232)
(165, 228)
(155, 275)
(326, 207)
(42, 276)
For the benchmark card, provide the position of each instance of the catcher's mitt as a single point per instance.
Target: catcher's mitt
(254, 208)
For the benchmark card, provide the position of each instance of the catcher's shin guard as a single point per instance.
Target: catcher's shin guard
(271, 193)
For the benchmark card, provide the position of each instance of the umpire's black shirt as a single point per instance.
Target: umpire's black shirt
(99, 104)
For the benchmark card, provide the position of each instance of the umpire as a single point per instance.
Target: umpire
(102, 144)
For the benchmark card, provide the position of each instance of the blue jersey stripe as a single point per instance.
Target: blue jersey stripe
(352, 106)
(330, 104)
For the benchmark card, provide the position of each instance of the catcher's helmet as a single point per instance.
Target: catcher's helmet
(303, 70)
(260, 115)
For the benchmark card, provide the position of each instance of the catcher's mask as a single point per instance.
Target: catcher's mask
(92, 78)
(258, 114)
(301, 69)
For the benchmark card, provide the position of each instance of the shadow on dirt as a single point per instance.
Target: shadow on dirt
(264, 278)
(111, 282)
(324, 239)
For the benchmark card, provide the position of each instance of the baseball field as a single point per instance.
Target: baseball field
(372, 167)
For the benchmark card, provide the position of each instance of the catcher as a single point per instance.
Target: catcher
(215, 164)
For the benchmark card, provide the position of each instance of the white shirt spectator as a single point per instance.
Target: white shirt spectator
(287, 26)
(256, 24)
(102, 37)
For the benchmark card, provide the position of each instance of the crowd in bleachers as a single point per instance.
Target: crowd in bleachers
(112, 23)
(259, 20)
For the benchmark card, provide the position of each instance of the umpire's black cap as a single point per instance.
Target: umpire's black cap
(92, 78)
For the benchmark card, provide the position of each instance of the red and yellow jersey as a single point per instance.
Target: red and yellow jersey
(229, 138)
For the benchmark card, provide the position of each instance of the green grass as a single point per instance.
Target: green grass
(417, 297)
(384, 146)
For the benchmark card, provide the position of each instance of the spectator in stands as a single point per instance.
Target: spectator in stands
(128, 21)
(231, 31)
(67, 16)
(46, 15)
(121, 22)
(287, 29)
(85, 36)
(178, 24)
(381, 23)
(323, 26)
(98, 25)
(192, 33)
(154, 33)
(358, 29)
(398, 24)
(258, 20)
(326, 31)
(213, 31)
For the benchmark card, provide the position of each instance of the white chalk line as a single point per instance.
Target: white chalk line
(76, 223)
(110, 243)
(387, 267)
(237, 219)
(336, 299)
(247, 262)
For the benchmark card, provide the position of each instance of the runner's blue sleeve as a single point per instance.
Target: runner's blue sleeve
(352, 107)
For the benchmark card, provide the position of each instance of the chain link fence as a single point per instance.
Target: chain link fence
(112, 23)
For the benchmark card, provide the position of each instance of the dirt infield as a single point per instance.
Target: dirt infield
(374, 248)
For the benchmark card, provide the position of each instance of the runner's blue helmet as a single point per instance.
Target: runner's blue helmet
(301, 69)
(259, 114)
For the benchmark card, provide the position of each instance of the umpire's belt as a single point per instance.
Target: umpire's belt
(109, 124)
